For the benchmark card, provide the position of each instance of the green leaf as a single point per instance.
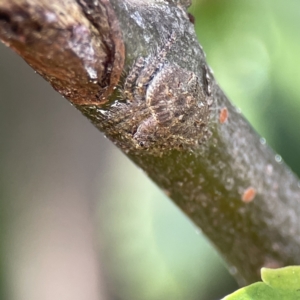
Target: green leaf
(278, 284)
(287, 279)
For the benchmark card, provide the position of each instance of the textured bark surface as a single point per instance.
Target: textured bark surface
(66, 48)
(137, 71)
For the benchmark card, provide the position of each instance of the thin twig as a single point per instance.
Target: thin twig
(219, 172)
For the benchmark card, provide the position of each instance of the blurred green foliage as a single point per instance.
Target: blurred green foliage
(253, 48)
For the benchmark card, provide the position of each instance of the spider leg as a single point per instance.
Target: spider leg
(132, 78)
(147, 73)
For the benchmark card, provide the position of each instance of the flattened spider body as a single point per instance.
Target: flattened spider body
(174, 97)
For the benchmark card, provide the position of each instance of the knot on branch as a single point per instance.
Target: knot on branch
(79, 49)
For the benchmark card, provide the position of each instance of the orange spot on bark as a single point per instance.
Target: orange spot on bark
(249, 194)
(223, 115)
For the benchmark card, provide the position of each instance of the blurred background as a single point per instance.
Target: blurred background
(79, 221)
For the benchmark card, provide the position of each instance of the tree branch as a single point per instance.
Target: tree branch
(198, 148)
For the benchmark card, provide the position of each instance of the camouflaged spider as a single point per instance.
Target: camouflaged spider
(174, 96)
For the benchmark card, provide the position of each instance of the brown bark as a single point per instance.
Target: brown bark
(223, 177)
